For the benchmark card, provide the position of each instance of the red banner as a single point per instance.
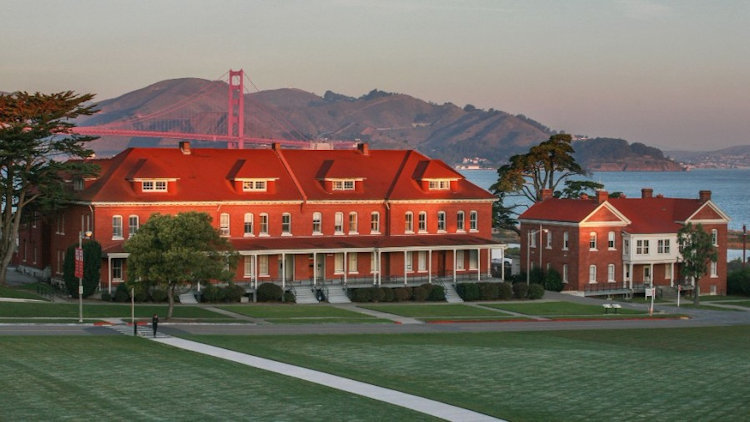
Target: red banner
(79, 262)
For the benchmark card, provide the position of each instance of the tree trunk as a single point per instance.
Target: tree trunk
(170, 295)
(696, 294)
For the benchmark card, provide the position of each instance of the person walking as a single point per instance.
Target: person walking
(155, 323)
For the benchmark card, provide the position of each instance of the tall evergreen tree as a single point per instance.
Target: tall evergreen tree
(698, 251)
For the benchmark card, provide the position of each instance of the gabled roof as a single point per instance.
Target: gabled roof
(643, 215)
(209, 175)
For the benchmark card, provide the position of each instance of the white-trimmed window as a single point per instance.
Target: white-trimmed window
(317, 223)
(473, 260)
(460, 221)
(375, 222)
(441, 221)
(353, 223)
(565, 273)
(116, 227)
(263, 265)
(422, 261)
(154, 185)
(409, 222)
(611, 240)
(473, 223)
(440, 184)
(647, 275)
(714, 237)
(641, 247)
(532, 239)
(592, 273)
(409, 260)
(286, 224)
(249, 270)
(338, 263)
(224, 224)
(611, 273)
(714, 268)
(78, 184)
(254, 185)
(663, 246)
(117, 269)
(338, 223)
(566, 241)
(248, 226)
(347, 184)
(422, 222)
(133, 225)
(263, 225)
(549, 239)
(460, 265)
(592, 241)
(352, 256)
(668, 271)
(60, 224)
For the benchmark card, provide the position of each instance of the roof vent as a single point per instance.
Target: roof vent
(704, 195)
(363, 148)
(647, 193)
(185, 147)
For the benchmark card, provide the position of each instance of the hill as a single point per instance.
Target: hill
(732, 157)
(383, 119)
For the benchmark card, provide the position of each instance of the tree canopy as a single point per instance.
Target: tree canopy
(37, 144)
(698, 251)
(549, 165)
(172, 251)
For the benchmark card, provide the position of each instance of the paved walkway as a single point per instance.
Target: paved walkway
(419, 404)
(378, 314)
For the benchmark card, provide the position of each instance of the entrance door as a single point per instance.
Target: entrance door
(289, 268)
(647, 275)
(320, 271)
(441, 263)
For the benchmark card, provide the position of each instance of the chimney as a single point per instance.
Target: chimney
(647, 193)
(601, 196)
(185, 147)
(364, 148)
(546, 194)
(276, 146)
(704, 195)
(584, 196)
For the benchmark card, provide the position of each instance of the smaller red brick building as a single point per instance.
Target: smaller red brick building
(604, 245)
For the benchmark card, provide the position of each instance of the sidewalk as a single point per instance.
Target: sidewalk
(419, 404)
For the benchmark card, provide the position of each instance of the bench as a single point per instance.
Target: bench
(611, 307)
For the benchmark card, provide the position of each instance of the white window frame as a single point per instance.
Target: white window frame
(347, 184)
(352, 263)
(248, 226)
(154, 185)
(317, 223)
(593, 241)
(473, 260)
(642, 247)
(224, 222)
(422, 222)
(532, 238)
(133, 228)
(263, 265)
(715, 237)
(439, 184)
(338, 263)
(566, 241)
(263, 229)
(473, 221)
(663, 246)
(117, 269)
(460, 264)
(249, 263)
(668, 272)
(565, 273)
(592, 274)
(611, 273)
(353, 223)
(373, 262)
(254, 185)
(460, 221)
(549, 239)
(409, 264)
(286, 224)
(422, 261)
(117, 227)
(409, 222)
(338, 223)
(611, 241)
(375, 222)
(441, 221)
(714, 269)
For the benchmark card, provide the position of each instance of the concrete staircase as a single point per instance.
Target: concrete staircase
(188, 298)
(451, 296)
(304, 295)
(337, 294)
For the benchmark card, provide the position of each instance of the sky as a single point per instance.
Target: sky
(671, 74)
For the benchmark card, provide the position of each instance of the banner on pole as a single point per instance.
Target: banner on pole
(79, 263)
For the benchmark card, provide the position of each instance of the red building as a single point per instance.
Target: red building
(294, 216)
(608, 245)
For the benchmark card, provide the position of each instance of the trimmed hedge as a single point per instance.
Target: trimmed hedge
(520, 290)
(269, 292)
(536, 291)
(499, 291)
(424, 292)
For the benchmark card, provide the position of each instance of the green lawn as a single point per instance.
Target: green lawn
(292, 311)
(123, 378)
(70, 310)
(429, 311)
(614, 375)
(557, 309)
(20, 293)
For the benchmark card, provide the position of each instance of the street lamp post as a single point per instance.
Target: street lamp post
(79, 268)
(529, 235)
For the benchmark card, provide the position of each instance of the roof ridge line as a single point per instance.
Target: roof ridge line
(398, 175)
(288, 169)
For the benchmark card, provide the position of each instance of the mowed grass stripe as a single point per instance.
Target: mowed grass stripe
(123, 378)
(293, 311)
(617, 375)
(70, 310)
(556, 308)
(435, 311)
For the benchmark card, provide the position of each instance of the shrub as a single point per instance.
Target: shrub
(233, 293)
(738, 282)
(468, 291)
(388, 295)
(505, 291)
(92, 259)
(437, 294)
(553, 281)
(140, 292)
(536, 291)
(402, 294)
(269, 292)
(158, 295)
(361, 295)
(536, 275)
(520, 290)
(289, 297)
(377, 294)
(488, 291)
(421, 293)
(122, 293)
(211, 293)
(106, 297)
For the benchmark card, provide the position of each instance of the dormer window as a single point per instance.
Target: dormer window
(440, 184)
(254, 185)
(347, 184)
(154, 185)
(78, 184)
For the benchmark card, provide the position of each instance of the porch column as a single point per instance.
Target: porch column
(375, 266)
(502, 264)
(479, 265)
(429, 266)
(454, 266)
(651, 274)
(315, 269)
(255, 270)
(671, 271)
(380, 268)
(404, 267)
(346, 266)
(283, 272)
(489, 263)
(109, 274)
(631, 275)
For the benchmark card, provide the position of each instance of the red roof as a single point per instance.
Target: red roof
(209, 174)
(646, 215)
